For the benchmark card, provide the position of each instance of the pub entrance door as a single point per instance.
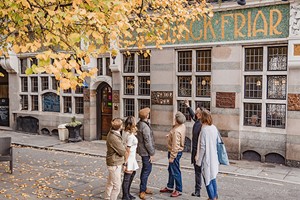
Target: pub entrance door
(4, 100)
(104, 110)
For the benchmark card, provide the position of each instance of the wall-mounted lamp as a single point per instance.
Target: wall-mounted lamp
(114, 58)
(258, 83)
(203, 82)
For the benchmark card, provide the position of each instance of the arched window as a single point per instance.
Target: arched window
(51, 102)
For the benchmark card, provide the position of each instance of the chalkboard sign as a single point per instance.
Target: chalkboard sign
(51, 102)
(4, 112)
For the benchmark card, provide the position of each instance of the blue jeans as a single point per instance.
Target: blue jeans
(146, 170)
(175, 173)
(212, 189)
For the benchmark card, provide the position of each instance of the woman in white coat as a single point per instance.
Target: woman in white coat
(207, 156)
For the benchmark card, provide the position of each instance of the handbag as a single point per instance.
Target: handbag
(222, 153)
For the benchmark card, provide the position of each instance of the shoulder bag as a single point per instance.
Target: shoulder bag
(222, 153)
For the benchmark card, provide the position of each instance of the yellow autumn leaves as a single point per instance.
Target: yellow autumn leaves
(66, 33)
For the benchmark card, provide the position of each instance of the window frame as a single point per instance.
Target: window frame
(135, 96)
(264, 100)
(194, 73)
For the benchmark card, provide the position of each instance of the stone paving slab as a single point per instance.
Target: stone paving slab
(98, 148)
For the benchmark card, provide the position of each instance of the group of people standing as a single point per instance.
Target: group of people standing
(122, 147)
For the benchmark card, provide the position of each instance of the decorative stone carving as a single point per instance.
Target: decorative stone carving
(294, 102)
(225, 100)
(116, 96)
(295, 20)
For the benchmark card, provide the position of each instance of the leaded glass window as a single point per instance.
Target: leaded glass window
(184, 86)
(185, 61)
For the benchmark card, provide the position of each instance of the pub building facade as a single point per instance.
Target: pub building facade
(243, 65)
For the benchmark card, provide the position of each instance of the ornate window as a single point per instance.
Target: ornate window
(24, 84)
(103, 64)
(79, 105)
(144, 85)
(203, 60)
(194, 79)
(185, 61)
(51, 102)
(24, 102)
(67, 104)
(34, 97)
(45, 83)
(34, 84)
(184, 86)
(136, 83)
(265, 83)
(128, 107)
(54, 83)
(34, 102)
(129, 85)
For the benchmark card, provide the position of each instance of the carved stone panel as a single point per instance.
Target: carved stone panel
(225, 100)
(294, 102)
(296, 49)
(295, 19)
(116, 96)
(162, 97)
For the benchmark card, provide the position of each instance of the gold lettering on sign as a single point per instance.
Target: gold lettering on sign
(223, 21)
(264, 30)
(207, 24)
(191, 32)
(237, 30)
(249, 24)
(273, 27)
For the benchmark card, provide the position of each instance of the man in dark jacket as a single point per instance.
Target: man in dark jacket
(196, 132)
(114, 159)
(145, 149)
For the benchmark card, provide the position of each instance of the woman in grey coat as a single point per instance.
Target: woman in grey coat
(207, 155)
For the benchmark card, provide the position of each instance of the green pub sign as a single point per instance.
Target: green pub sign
(242, 24)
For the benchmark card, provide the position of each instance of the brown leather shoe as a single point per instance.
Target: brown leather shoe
(142, 195)
(148, 191)
(175, 194)
(165, 190)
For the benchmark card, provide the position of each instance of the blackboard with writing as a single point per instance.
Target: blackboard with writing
(4, 112)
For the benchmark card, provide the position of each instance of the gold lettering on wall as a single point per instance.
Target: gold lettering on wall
(223, 21)
(263, 30)
(249, 24)
(273, 27)
(207, 24)
(191, 32)
(237, 30)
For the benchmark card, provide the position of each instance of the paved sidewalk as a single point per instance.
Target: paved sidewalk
(98, 148)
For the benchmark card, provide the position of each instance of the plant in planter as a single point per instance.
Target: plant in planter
(74, 130)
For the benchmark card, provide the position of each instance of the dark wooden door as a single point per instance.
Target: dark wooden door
(104, 110)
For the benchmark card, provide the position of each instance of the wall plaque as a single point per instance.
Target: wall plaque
(296, 49)
(162, 97)
(225, 100)
(116, 96)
